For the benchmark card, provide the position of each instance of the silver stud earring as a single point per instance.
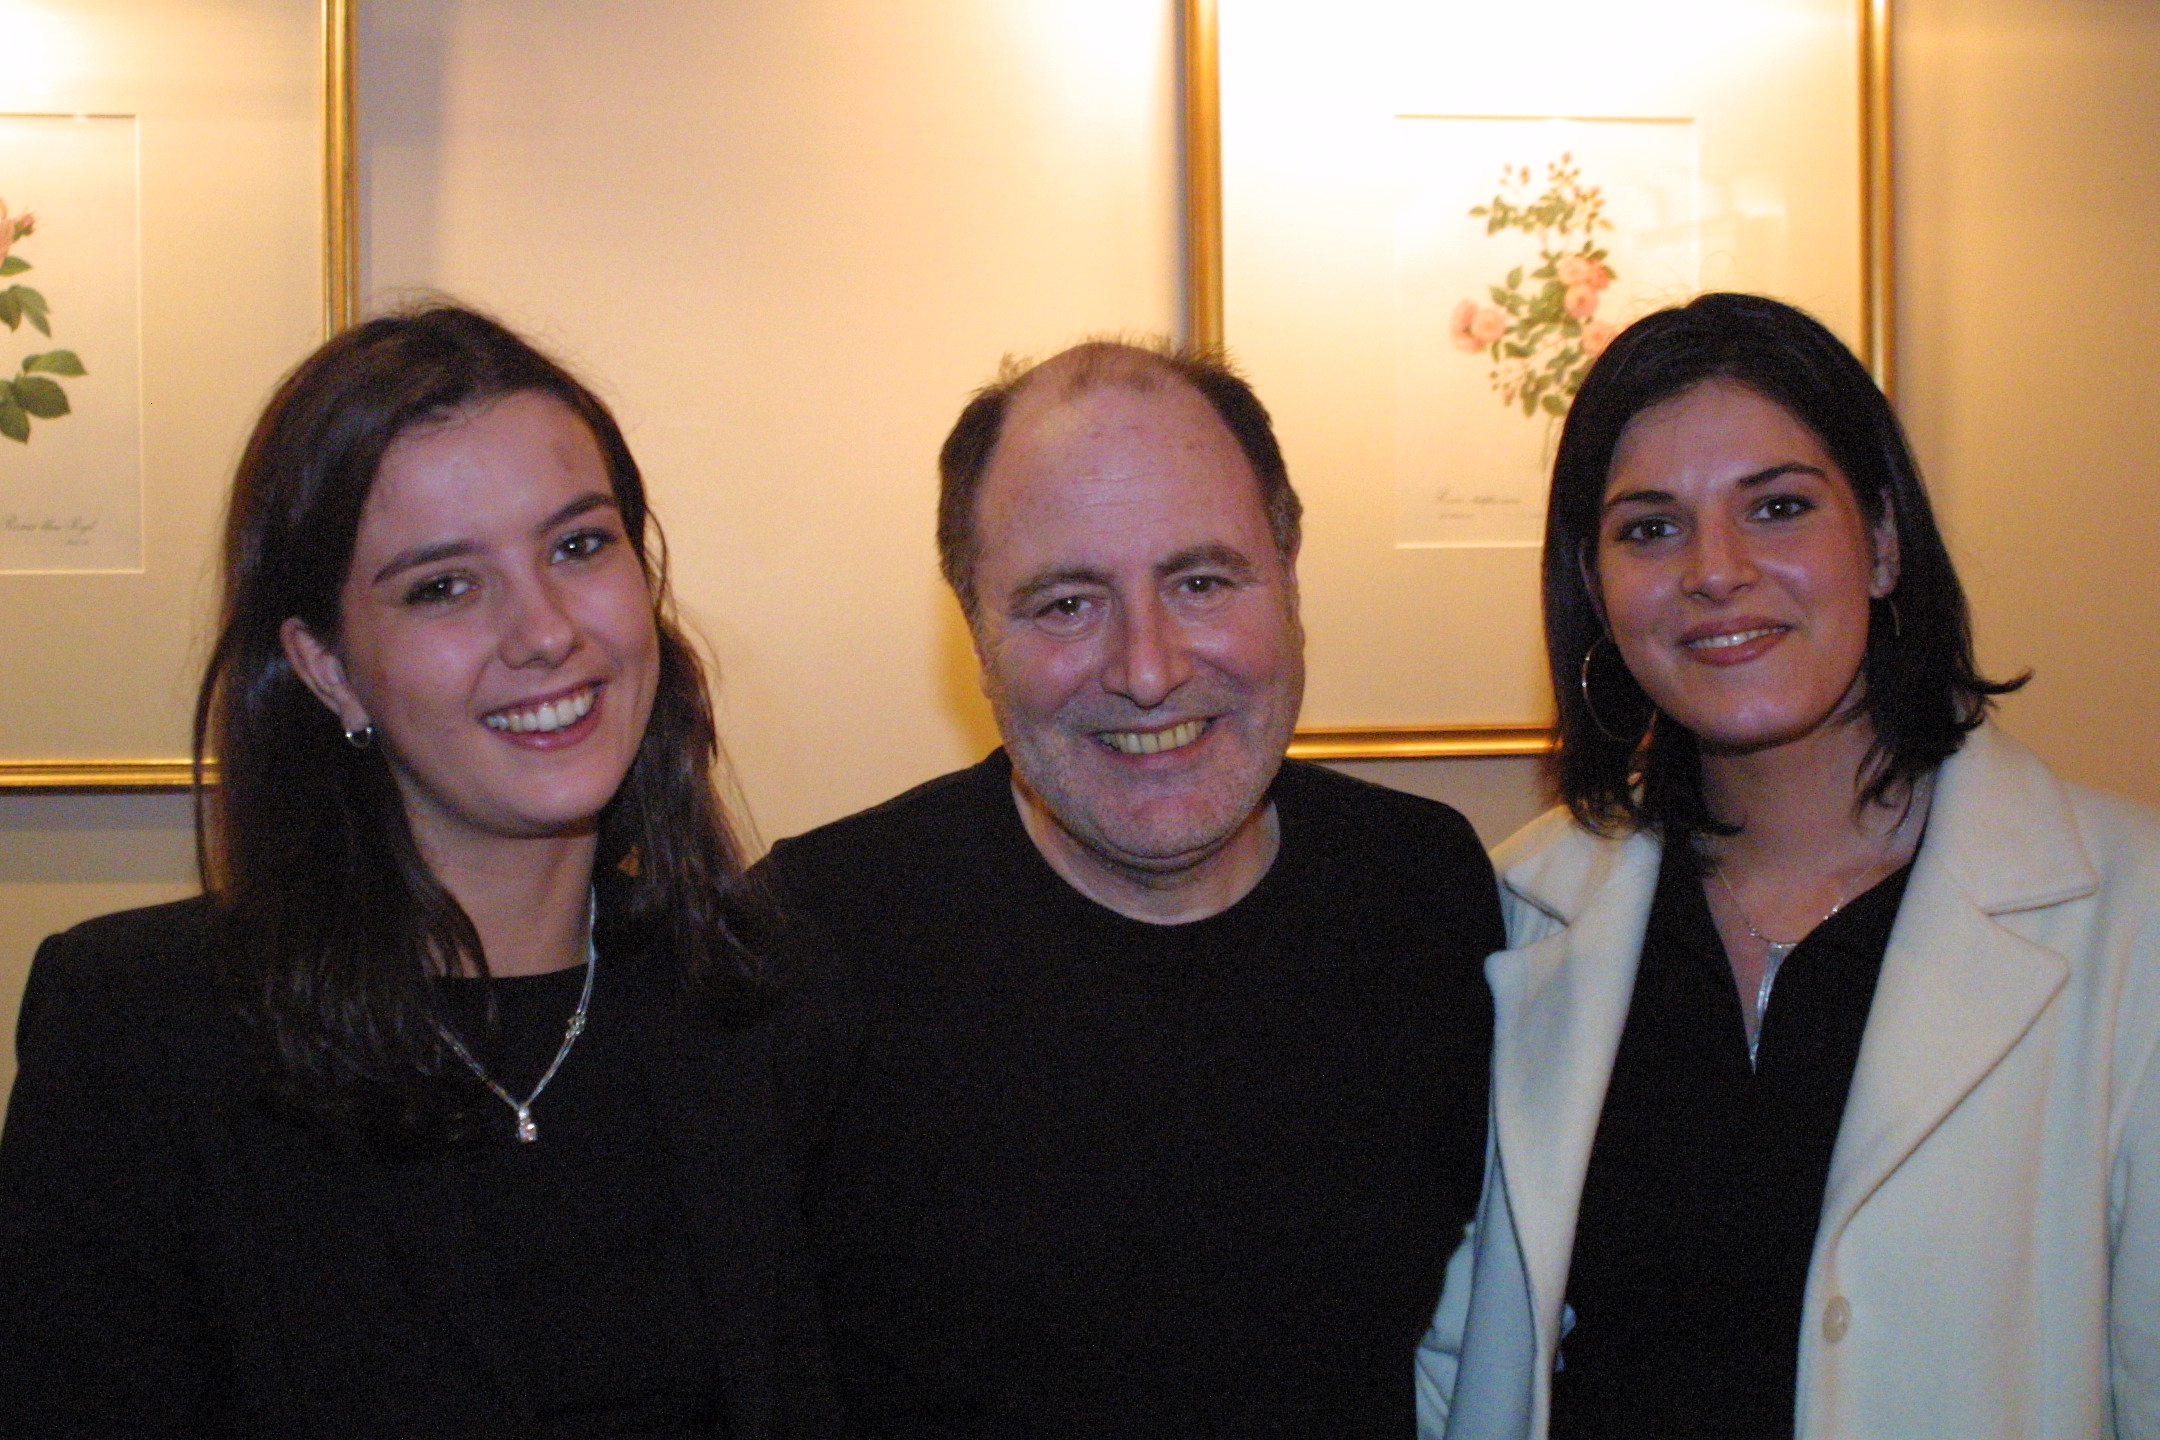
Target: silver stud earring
(361, 738)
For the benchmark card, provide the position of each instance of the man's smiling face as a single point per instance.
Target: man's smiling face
(1137, 627)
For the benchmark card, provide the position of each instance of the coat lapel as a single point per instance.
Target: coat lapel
(1560, 1005)
(2000, 840)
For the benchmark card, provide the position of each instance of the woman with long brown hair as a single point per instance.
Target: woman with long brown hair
(464, 1100)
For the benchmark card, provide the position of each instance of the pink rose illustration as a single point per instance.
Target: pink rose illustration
(13, 228)
(1580, 271)
(1474, 326)
(1541, 334)
(1461, 327)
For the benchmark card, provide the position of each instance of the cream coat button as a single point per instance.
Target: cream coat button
(1836, 1319)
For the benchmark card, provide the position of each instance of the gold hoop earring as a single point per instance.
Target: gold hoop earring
(1590, 705)
(1897, 621)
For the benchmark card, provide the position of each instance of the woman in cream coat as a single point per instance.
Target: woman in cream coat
(1944, 1218)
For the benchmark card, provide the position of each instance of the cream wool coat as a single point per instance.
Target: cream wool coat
(1988, 1260)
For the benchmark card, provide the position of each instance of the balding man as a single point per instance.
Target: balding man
(1171, 1102)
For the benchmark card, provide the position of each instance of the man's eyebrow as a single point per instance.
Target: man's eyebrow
(1746, 482)
(1205, 557)
(420, 555)
(1043, 580)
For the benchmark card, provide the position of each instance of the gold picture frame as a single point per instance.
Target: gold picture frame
(1205, 321)
(168, 578)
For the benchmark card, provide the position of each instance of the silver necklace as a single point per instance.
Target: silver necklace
(1775, 951)
(527, 1131)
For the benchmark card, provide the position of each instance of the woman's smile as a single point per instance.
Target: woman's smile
(553, 717)
(1732, 643)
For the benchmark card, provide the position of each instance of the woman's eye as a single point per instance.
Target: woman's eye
(439, 590)
(583, 545)
(1784, 507)
(1647, 528)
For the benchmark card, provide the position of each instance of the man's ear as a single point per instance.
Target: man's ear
(322, 672)
(973, 620)
(1883, 575)
(1290, 579)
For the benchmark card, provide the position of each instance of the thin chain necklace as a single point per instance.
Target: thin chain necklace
(1775, 951)
(527, 1131)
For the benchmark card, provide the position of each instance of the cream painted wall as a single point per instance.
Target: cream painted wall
(789, 235)
(2028, 139)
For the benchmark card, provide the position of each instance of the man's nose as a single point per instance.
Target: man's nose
(1150, 659)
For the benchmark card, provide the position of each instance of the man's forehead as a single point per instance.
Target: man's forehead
(1051, 430)
(1098, 498)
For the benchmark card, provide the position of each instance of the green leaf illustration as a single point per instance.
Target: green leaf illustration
(13, 265)
(10, 309)
(1514, 277)
(13, 423)
(39, 396)
(1553, 405)
(54, 362)
(33, 307)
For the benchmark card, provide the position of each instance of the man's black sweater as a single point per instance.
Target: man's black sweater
(1099, 1177)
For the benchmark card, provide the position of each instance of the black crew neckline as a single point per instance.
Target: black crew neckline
(1010, 837)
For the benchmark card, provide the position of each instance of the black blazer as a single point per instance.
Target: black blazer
(176, 1261)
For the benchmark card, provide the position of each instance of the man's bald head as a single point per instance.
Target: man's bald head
(1019, 386)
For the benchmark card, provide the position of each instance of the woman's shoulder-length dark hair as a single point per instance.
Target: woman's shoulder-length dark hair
(1620, 766)
(330, 926)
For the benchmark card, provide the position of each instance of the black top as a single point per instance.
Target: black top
(1706, 1179)
(179, 1260)
(582, 1240)
(1098, 1177)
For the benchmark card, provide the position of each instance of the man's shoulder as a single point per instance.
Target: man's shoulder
(924, 850)
(936, 812)
(1381, 819)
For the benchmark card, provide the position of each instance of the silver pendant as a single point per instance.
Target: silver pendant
(526, 1130)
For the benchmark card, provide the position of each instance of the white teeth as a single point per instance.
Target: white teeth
(551, 715)
(1152, 742)
(1726, 642)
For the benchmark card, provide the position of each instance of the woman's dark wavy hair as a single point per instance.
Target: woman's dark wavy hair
(330, 927)
(1625, 766)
